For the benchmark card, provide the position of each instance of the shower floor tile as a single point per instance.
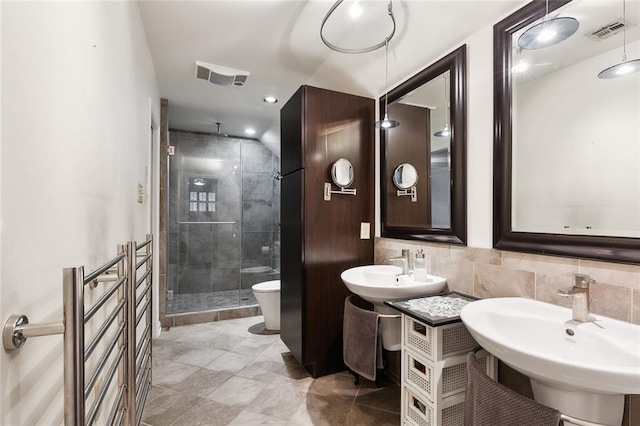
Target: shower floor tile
(197, 302)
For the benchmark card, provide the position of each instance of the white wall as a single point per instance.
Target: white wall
(595, 158)
(2, 358)
(480, 139)
(77, 85)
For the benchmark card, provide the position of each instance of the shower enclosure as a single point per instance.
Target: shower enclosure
(223, 221)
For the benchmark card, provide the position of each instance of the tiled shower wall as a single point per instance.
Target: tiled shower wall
(204, 258)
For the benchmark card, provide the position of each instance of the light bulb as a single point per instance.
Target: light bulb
(356, 9)
(547, 34)
(521, 66)
(624, 69)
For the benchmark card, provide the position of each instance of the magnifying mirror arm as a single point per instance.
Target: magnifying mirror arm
(328, 191)
(411, 192)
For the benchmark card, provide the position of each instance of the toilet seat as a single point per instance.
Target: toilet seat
(267, 287)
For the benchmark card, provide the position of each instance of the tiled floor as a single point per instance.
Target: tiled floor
(222, 373)
(197, 302)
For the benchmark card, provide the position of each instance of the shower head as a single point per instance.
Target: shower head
(218, 131)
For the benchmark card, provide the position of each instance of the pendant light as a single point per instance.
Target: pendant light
(624, 67)
(446, 131)
(548, 32)
(386, 122)
(355, 11)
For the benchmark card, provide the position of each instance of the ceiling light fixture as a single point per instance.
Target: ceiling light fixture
(386, 123)
(270, 100)
(362, 49)
(624, 67)
(446, 131)
(548, 32)
(250, 131)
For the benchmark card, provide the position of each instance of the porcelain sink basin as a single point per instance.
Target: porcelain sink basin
(541, 341)
(377, 283)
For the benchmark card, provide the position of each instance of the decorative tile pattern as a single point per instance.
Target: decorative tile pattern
(437, 306)
(196, 302)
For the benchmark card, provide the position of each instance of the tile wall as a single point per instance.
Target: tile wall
(494, 273)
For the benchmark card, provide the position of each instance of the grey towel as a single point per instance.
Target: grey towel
(362, 350)
(488, 403)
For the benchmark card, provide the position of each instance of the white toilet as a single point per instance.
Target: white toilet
(268, 296)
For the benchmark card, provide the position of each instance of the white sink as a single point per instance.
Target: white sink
(582, 369)
(377, 283)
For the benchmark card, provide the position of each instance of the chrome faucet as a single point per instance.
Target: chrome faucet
(580, 293)
(404, 259)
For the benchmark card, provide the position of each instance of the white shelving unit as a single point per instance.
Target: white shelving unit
(434, 370)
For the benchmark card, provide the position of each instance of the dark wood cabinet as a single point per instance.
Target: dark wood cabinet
(320, 239)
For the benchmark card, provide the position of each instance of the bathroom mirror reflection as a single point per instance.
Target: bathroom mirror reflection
(427, 151)
(567, 143)
(342, 173)
(405, 176)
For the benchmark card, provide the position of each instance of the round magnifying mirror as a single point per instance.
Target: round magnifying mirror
(342, 173)
(405, 176)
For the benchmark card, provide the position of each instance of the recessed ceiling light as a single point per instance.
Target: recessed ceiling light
(250, 131)
(270, 100)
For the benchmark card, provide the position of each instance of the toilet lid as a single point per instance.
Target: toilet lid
(267, 286)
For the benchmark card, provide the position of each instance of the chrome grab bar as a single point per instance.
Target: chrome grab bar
(207, 223)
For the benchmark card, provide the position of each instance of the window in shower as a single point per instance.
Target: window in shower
(202, 197)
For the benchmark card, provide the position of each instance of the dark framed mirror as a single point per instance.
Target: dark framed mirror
(564, 183)
(431, 109)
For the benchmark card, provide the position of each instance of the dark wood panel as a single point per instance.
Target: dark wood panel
(409, 143)
(327, 239)
(291, 269)
(291, 133)
(337, 126)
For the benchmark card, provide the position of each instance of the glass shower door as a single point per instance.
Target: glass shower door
(204, 222)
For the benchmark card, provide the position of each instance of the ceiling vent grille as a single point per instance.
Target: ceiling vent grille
(608, 30)
(221, 76)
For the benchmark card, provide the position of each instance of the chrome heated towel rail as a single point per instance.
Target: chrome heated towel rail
(117, 343)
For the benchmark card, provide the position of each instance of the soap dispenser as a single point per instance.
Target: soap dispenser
(420, 267)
